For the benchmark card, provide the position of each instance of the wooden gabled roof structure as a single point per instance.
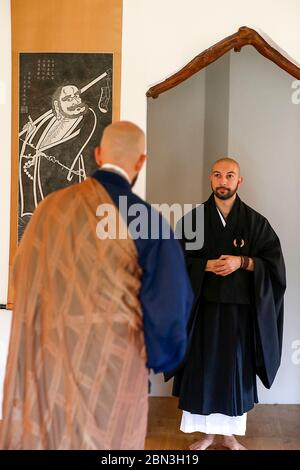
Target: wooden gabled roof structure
(243, 37)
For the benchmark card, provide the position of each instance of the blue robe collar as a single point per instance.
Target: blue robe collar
(109, 177)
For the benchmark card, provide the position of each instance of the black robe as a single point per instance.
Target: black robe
(236, 323)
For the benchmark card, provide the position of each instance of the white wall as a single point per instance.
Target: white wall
(161, 36)
(133, 74)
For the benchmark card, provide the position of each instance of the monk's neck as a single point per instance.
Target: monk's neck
(225, 206)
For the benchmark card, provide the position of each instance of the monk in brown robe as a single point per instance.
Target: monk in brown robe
(91, 315)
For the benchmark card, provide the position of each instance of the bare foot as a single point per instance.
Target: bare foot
(231, 443)
(203, 443)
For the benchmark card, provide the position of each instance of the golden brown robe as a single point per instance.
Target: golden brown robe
(76, 376)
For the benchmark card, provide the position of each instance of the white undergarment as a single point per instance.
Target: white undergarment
(214, 423)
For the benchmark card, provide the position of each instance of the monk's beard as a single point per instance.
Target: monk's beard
(227, 195)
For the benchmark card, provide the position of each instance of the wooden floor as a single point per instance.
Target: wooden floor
(269, 427)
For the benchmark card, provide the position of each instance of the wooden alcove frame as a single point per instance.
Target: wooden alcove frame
(245, 36)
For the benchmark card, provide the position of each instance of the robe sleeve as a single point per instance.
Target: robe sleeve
(195, 263)
(166, 298)
(269, 288)
(195, 260)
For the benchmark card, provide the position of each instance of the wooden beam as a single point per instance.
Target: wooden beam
(245, 36)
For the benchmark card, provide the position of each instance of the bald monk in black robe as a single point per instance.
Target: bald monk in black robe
(235, 328)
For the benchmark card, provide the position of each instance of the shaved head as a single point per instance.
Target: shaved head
(225, 178)
(122, 143)
(228, 161)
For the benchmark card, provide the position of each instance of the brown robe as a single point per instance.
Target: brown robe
(76, 376)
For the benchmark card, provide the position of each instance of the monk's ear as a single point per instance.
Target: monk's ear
(140, 162)
(98, 157)
(241, 179)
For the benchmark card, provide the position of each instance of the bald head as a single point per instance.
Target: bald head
(225, 178)
(226, 162)
(122, 144)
